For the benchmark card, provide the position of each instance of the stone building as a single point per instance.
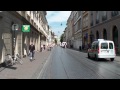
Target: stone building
(105, 24)
(38, 32)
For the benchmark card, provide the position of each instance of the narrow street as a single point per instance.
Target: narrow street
(70, 64)
(62, 63)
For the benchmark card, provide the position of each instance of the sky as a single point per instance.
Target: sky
(57, 21)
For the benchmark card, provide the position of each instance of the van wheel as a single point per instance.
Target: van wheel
(88, 55)
(96, 58)
(112, 59)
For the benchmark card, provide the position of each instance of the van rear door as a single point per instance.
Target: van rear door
(107, 48)
(104, 50)
(111, 48)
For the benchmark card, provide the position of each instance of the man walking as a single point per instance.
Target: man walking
(31, 51)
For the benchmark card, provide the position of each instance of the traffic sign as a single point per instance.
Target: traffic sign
(15, 27)
(25, 28)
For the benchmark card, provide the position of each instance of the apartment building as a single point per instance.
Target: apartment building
(77, 27)
(65, 35)
(38, 32)
(70, 30)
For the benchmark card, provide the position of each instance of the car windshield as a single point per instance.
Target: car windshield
(104, 45)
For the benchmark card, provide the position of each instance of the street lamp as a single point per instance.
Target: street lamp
(15, 28)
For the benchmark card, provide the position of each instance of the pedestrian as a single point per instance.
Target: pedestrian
(44, 47)
(65, 45)
(41, 48)
(31, 51)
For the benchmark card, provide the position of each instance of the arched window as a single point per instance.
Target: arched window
(115, 37)
(104, 34)
(97, 35)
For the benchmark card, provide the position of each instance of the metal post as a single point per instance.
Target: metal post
(14, 40)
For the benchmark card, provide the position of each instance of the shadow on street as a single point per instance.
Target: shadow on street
(9, 67)
(100, 60)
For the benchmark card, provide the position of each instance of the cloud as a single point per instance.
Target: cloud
(57, 16)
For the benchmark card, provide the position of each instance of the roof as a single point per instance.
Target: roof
(102, 40)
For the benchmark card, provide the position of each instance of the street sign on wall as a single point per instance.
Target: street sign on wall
(15, 27)
(25, 28)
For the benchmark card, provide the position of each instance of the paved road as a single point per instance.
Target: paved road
(71, 64)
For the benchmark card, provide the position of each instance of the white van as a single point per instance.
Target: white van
(64, 44)
(101, 48)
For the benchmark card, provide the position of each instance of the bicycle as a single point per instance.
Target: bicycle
(18, 59)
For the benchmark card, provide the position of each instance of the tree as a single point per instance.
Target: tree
(55, 41)
(61, 38)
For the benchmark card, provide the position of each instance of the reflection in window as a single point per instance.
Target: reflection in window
(97, 17)
(110, 46)
(114, 13)
(104, 45)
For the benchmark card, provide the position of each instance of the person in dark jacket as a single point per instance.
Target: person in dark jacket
(31, 51)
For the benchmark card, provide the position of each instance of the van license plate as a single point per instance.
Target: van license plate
(105, 51)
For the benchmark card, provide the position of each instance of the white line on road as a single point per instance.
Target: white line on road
(43, 69)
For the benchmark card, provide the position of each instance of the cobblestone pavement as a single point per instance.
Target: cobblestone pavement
(27, 70)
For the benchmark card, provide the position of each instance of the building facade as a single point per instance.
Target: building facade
(86, 28)
(77, 27)
(14, 42)
(65, 35)
(70, 30)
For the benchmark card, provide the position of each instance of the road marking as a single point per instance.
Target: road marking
(44, 67)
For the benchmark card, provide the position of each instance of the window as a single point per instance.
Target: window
(110, 46)
(93, 46)
(75, 17)
(97, 45)
(79, 13)
(114, 13)
(104, 45)
(79, 24)
(97, 13)
(104, 15)
(86, 20)
(75, 27)
(91, 18)
(97, 17)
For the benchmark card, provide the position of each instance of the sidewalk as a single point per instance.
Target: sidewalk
(27, 70)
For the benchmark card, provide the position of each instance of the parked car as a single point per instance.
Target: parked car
(101, 48)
